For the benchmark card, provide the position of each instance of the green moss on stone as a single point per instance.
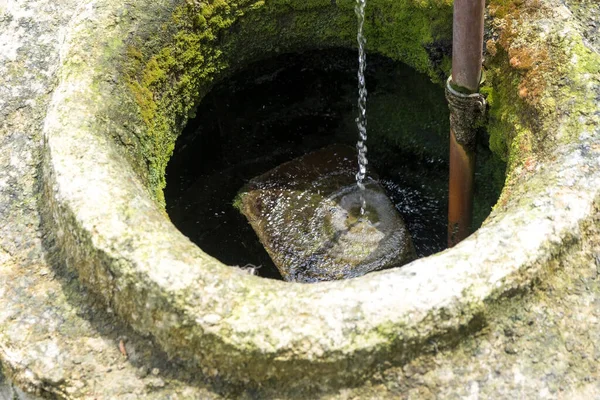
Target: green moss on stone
(206, 39)
(526, 87)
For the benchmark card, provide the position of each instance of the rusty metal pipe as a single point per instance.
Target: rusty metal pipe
(467, 53)
(460, 198)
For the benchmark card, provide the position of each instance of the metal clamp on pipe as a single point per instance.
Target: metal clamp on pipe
(467, 113)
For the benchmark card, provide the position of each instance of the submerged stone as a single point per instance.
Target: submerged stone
(307, 214)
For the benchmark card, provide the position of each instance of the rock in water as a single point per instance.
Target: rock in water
(306, 213)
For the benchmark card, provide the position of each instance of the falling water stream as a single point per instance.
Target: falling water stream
(361, 120)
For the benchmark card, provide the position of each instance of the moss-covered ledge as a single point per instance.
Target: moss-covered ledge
(112, 230)
(542, 85)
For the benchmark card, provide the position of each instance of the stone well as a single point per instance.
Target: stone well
(120, 80)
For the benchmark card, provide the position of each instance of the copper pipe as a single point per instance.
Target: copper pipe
(467, 43)
(460, 200)
(467, 49)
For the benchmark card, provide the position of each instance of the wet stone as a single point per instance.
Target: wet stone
(307, 215)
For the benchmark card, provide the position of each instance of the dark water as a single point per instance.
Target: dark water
(279, 109)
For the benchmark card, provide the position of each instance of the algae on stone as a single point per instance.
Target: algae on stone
(307, 214)
(205, 41)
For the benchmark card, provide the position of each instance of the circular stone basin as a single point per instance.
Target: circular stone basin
(130, 76)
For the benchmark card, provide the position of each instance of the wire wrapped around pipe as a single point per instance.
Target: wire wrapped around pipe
(467, 112)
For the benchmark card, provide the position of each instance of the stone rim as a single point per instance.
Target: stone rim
(151, 279)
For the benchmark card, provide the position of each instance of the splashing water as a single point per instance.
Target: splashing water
(361, 120)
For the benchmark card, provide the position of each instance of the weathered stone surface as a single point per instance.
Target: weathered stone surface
(54, 342)
(9, 391)
(587, 13)
(117, 237)
(306, 213)
(436, 328)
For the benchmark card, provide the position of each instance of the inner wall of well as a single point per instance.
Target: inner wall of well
(169, 74)
(205, 44)
(280, 108)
